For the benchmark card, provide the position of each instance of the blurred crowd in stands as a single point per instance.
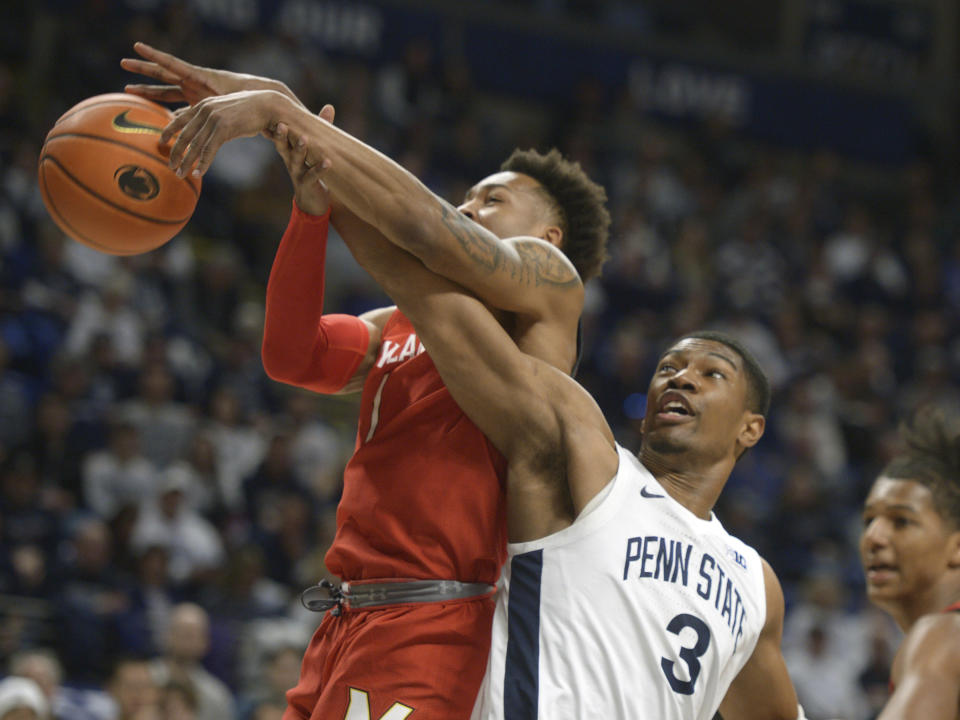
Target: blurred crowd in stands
(162, 503)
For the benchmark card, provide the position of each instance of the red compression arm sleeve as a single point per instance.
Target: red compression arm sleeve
(301, 346)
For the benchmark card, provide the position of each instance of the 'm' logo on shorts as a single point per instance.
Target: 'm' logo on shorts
(359, 708)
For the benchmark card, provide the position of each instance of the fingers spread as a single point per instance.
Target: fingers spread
(203, 145)
(181, 118)
(166, 60)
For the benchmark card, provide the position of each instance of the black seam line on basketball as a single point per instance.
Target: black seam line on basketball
(133, 104)
(189, 180)
(109, 202)
(53, 207)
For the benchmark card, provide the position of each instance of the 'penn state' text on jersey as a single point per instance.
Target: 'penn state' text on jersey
(638, 610)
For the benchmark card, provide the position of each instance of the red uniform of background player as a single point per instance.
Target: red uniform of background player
(910, 550)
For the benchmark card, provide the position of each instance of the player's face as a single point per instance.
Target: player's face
(906, 545)
(508, 204)
(697, 402)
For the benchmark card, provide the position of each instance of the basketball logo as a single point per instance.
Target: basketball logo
(105, 178)
(136, 182)
(122, 124)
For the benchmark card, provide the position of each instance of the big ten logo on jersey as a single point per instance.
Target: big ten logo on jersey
(359, 708)
(392, 352)
(737, 557)
(655, 558)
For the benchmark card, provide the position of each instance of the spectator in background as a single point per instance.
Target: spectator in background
(133, 690)
(408, 92)
(874, 680)
(186, 645)
(827, 684)
(22, 699)
(200, 465)
(316, 451)
(195, 547)
(91, 595)
(152, 596)
(243, 591)
(238, 445)
(165, 426)
(25, 521)
(56, 451)
(809, 428)
(119, 474)
(272, 480)
(268, 711)
(17, 397)
(280, 672)
(178, 701)
(43, 667)
(108, 311)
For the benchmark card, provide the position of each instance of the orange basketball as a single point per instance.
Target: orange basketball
(105, 180)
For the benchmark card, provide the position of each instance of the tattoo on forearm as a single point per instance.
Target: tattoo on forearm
(480, 249)
(537, 265)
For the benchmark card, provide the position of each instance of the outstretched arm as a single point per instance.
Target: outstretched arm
(763, 690)
(301, 345)
(181, 81)
(560, 450)
(528, 276)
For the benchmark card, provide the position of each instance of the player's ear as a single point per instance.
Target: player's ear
(752, 429)
(553, 235)
(953, 550)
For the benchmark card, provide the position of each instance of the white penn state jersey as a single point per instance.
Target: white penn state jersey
(639, 610)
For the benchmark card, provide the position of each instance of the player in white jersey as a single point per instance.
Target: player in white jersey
(638, 593)
(706, 406)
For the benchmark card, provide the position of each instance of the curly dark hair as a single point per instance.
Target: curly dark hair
(578, 201)
(931, 456)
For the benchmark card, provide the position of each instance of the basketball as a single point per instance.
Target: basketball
(104, 177)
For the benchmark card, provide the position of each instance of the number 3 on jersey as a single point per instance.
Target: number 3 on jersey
(689, 655)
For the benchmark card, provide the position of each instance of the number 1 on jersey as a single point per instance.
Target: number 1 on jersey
(375, 410)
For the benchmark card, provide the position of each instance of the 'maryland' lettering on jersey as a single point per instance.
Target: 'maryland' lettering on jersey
(394, 352)
(657, 558)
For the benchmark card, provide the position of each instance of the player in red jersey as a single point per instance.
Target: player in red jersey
(910, 549)
(423, 493)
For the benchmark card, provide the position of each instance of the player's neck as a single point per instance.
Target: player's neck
(937, 599)
(694, 485)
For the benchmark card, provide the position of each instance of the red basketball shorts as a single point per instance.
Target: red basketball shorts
(388, 663)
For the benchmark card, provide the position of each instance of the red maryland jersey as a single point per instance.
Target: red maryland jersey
(423, 494)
